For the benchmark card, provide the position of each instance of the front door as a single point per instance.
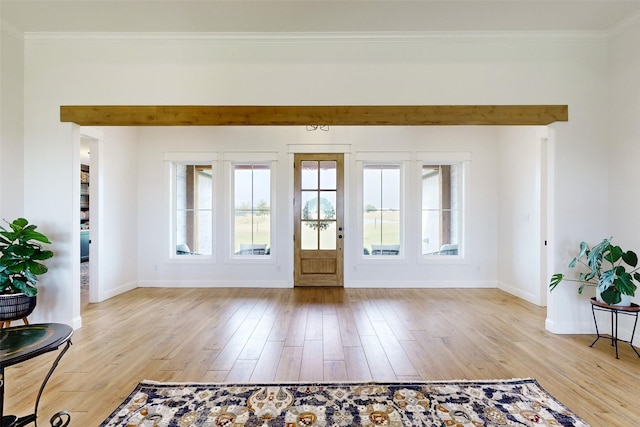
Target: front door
(319, 228)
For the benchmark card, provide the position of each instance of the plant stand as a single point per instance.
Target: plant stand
(15, 307)
(614, 310)
(22, 343)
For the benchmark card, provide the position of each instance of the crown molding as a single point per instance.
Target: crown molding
(630, 22)
(315, 37)
(10, 30)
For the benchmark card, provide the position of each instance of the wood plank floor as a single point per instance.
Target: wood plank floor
(260, 335)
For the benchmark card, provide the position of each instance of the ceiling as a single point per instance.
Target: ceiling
(601, 16)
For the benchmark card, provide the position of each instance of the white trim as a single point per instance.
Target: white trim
(527, 296)
(250, 158)
(462, 201)
(571, 327)
(182, 158)
(420, 284)
(316, 37)
(403, 166)
(11, 30)
(118, 290)
(96, 216)
(623, 26)
(225, 283)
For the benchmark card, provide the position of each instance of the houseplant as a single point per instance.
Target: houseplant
(608, 267)
(21, 253)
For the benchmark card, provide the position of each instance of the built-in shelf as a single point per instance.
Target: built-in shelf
(84, 196)
(84, 213)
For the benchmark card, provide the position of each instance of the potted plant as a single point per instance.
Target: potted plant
(21, 253)
(612, 270)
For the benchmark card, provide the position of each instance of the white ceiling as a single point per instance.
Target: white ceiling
(602, 16)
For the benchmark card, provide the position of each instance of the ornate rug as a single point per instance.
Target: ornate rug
(517, 402)
(84, 275)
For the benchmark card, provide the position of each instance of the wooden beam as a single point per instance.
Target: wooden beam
(363, 115)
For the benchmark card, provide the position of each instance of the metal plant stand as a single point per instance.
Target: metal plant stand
(615, 310)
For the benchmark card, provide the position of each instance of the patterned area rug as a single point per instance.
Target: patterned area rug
(518, 402)
(84, 275)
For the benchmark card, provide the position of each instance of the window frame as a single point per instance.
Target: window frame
(171, 159)
(402, 161)
(231, 160)
(462, 160)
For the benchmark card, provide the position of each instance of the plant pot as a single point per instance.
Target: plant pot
(16, 306)
(625, 299)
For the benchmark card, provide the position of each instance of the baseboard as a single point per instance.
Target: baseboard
(588, 328)
(213, 284)
(413, 284)
(527, 296)
(435, 284)
(76, 323)
(562, 328)
(104, 295)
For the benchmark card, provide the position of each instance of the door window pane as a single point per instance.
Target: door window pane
(328, 175)
(309, 176)
(309, 235)
(309, 206)
(328, 205)
(327, 233)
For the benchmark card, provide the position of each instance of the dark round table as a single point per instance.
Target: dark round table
(20, 343)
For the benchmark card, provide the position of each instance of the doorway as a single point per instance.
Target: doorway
(90, 214)
(318, 219)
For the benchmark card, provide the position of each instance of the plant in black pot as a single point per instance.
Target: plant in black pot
(608, 267)
(21, 256)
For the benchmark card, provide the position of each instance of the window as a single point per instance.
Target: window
(252, 209)
(441, 209)
(381, 209)
(193, 209)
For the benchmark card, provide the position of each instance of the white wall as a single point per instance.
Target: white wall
(144, 70)
(11, 124)
(114, 236)
(407, 270)
(623, 140)
(519, 212)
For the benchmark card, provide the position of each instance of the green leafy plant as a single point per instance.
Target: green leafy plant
(613, 270)
(21, 252)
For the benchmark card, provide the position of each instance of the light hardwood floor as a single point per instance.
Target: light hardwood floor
(261, 335)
